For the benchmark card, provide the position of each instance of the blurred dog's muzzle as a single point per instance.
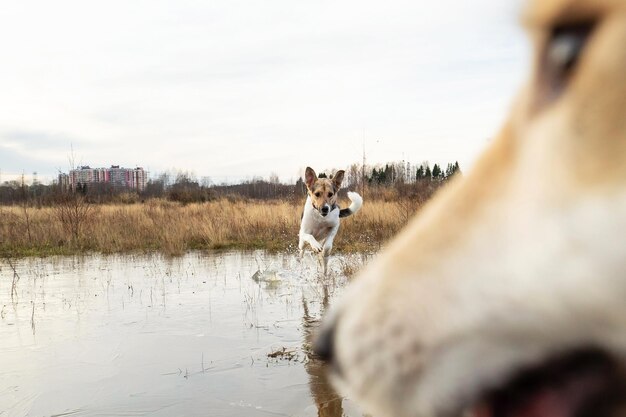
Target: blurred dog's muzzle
(324, 344)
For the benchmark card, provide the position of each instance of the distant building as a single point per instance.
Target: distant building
(64, 181)
(133, 178)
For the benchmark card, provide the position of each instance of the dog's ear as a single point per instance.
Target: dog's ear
(309, 177)
(338, 178)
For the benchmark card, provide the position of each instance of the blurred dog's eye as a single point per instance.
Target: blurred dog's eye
(566, 45)
(564, 48)
(318, 194)
(330, 195)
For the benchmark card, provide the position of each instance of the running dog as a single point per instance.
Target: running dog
(320, 219)
(506, 295)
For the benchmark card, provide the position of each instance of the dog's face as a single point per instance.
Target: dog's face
(506, 296)
(323, 191)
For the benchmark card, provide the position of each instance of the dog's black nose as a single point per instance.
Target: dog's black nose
(325, 210)
(324, 343)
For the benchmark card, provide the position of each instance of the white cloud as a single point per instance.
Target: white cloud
(232, 89)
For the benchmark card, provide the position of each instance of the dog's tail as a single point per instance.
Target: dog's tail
(357, 202)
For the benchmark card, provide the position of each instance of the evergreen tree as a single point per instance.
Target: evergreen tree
(300, 187)
(449, 170)
(388, 174)
(420, 173)
(428, 174)
(374, 175)
(436, 172)
(453, 169)
(457, 168)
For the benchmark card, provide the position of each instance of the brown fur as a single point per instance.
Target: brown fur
(323, 190)
(520, 260)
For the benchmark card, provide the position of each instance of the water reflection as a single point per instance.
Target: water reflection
(328, 402)
(148, 335)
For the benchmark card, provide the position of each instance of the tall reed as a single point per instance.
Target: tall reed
(174, 228)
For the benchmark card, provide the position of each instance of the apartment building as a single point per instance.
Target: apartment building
(133, 178)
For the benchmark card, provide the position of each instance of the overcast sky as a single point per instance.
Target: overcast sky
(233, 89)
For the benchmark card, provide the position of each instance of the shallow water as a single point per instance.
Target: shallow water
(149, 335)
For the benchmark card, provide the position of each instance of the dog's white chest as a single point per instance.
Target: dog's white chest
(317, 225)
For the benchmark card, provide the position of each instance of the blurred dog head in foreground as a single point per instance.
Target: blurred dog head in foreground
(506, 296)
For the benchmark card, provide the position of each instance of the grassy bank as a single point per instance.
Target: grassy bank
(173, 228)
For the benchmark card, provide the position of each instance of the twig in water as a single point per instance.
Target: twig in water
(32, 318)
(16, 278)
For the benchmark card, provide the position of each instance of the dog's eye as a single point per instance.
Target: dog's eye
(565, 46)
(318, 194)
(330, 195)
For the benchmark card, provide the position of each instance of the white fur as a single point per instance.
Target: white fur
(356, 201)
(534, 277)
(519, 262)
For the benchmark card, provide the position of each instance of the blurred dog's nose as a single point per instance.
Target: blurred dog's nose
(324, 343)
(325, 210)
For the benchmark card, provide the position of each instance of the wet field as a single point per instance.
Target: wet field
(218, 334)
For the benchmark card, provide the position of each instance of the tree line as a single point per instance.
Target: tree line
(391, 180)
(403, 173)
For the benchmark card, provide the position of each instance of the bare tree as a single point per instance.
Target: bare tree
(406, 208)
(353, 176)
(274, 178)
(72, 208)
(73, 211)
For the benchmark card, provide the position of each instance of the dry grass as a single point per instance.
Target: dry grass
(173, 228)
